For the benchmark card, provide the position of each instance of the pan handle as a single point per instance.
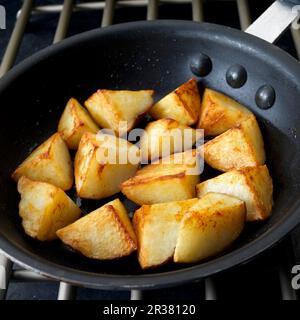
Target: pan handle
(275, 20)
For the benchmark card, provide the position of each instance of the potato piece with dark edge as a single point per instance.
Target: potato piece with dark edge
(183, 104)
(102, 163)
(210, 226)
(253, 185)
(74, 121)
(156, 228)
(44, 208)
(220, 113)
(103, 234)
(158, 183)
(50, 162)
(119, 110)
(164, 137)
(238, 147)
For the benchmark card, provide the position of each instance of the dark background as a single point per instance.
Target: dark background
(41, 29)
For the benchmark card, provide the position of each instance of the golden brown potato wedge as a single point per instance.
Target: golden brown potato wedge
(44, 208)
(74, 121)
(156, 227)
(164, 137)
(50, 162)
(119, 110)
(253, 185)
(183, 104)
(96, 174)
(220, 113)
(191, 159)
(210, 226)
(103, 234)
(157, 183)
(238, 147)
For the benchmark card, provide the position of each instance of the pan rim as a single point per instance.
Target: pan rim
(170, 278)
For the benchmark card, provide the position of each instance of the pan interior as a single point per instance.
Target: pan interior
(144, 56)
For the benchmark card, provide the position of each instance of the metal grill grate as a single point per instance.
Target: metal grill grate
(109, 8)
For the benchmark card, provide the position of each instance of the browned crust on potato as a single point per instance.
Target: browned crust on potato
(45, 155)
(138, 223)
(214, 117)
(133, 181)
(80, 174)
(246, 172)
(116, 115)
(250, 153)
(217, 139)
(206, 114)
(188, 88)
(132, 245)
(203, 221)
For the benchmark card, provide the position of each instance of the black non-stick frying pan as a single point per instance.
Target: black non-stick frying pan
(156, 55)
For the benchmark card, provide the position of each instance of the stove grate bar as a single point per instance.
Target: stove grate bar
(210, 289)
(152, 9)
(64, 21)
(108, 13)
(136, 295)
(197, 7)
(244, 13)
(28, 275)
(296, 37)
(16, 37)
(66, 291)
(5, 273)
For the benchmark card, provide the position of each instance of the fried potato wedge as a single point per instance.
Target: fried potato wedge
(74, 121)
(44, 208)
(156, 227)
(103, 234)
(164, 137)
(158, 183)
(183, 104)
(191, 159)
(50, 162)
(220, 113)
(119, 110)
(102, 163)
(253, 185)
(210, 226)
(238, 147)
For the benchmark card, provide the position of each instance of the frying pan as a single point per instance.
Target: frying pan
(159, 55)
